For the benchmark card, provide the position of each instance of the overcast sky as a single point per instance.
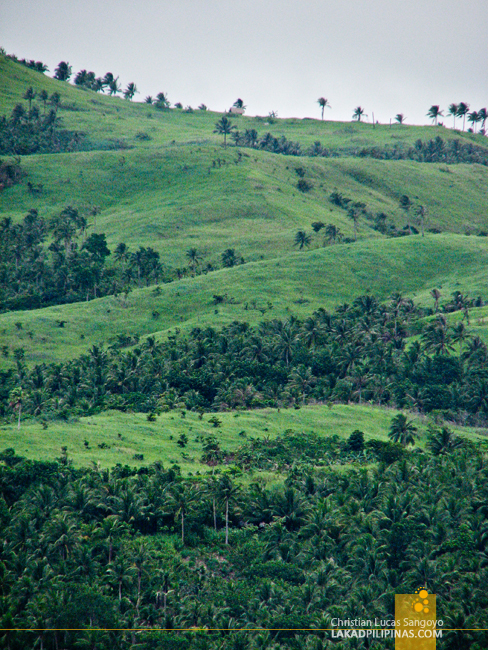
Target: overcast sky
(389, 56)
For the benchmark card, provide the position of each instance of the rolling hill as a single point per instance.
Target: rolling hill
(162, 178)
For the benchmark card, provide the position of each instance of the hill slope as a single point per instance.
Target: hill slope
(295, 284)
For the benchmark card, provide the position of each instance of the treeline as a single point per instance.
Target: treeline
(123, 549)
(432, 151)
(37, 128)
(55, 262)
(357, 353)
(437, 150)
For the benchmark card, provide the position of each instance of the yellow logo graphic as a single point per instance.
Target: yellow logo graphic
(421, 603)
(416, 625)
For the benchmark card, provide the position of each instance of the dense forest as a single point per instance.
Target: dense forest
(129, 549)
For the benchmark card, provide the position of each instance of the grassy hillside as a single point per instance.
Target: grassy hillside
(171, 185)
(126, 435)
(179, 188)
(296, 284)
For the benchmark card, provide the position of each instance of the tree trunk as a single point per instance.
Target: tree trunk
(227, 521)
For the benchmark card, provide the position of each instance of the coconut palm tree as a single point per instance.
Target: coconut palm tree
(239, 104)
(443, 441)
(474, 118)
(400, 118)
(227, 491)
(29, 94)
(358, 113)
(322, 102)
(302, 239)
(181, 499)
(63, 71)
(421, 212)
(224, 127)
(453, 110)
(114, 86)
(406, 204)
(402, 430)
(148, 99)
(194, 258)
(483, 115)
(434, 113)
(130, 91)
(463, 109)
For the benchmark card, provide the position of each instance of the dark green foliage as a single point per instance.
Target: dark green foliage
(10, 173)
(355, 442)
(73, 267)
(182, 440)
(27, 131)
(304, 185)
(357, 354)
(111, 543)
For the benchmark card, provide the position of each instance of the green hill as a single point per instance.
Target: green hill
(115, 437)
(162, 178)
(298, 283)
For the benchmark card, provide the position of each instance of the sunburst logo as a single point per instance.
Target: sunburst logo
(421, 602)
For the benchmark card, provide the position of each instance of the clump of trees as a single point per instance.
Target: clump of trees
(357, 353)
(57, 261)
(37, 129)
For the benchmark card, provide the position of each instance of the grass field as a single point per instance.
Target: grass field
(296, 284)
(128, 434)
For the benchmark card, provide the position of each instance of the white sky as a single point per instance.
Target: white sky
(389, 56)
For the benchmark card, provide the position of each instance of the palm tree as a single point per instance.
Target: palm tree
(113, 86)
(453, 110)
(162, 101)
(228, 492)
(130, 91)
(332, 233)
(322, 102)
(437, 338)
(358, 113)
(434, 113)
(443, 441)
(43, 96)
(402, 430)
(463, 109)
(148, 99)
(421, 211)
(405, 205)
(302, 239)
(483, 115)
(194, 258)
(436, 294)
(29, 94)
(180, 499)
(354, 212)
(55, 101)
(400, 118)
(474, 118)
(224, 127)
(63, 71)
(239, 104)
(15, 397)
